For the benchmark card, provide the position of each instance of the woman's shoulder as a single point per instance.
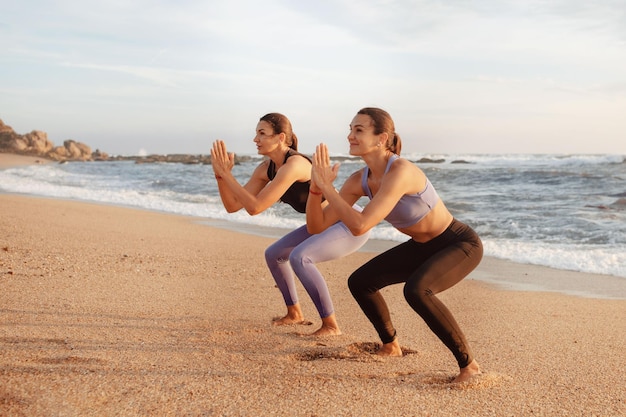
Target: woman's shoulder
(261, 169)
(405, 164)
(404, 170)
(299, 156)
(294, 158)
(264, 163)
(356, 176)
(352, 184)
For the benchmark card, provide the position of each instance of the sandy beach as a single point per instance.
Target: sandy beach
(8, 160)
(109, 311)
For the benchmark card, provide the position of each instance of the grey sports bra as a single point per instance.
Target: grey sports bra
(411, 208)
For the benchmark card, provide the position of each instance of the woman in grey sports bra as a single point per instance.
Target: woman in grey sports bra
(441, 250)
(285, 176)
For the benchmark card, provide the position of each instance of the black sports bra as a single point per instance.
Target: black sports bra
(297, 194)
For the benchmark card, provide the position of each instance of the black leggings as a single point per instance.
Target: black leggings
(427, 269)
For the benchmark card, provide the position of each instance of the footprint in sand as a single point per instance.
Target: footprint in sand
(443, 380)
(366, 352)
(361, 352)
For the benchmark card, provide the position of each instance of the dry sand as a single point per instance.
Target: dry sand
(8, 160)
(111, 311)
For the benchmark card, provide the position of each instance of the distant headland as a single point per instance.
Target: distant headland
(36, 143)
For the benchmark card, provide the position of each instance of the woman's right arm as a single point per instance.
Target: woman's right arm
(320, 216)
(259, 193)
(233, 195)
(229, 188)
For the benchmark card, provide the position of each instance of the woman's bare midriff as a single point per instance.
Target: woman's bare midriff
(431, 226)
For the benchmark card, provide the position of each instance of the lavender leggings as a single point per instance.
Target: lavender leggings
(298, 252)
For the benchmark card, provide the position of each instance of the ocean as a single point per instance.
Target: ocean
(562, 211)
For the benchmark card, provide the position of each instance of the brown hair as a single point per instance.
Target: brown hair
(281, 124)
(383, 123)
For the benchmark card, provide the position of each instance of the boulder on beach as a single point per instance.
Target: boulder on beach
(36, 143)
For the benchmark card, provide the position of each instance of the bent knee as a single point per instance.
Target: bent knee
(271, 252)
(356, 284)
(351, 283)
(297, 258)
(275, 255)
(417, 295)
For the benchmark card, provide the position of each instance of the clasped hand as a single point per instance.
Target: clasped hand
(221, 161)
(322, 173)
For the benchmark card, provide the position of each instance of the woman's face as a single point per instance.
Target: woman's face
(266, 140)
(361, 138)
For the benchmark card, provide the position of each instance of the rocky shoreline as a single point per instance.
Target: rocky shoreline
(36, 143)
(189, 159)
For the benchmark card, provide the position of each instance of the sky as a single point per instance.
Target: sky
(131, 77)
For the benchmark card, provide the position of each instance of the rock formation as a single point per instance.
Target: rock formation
(36, 143)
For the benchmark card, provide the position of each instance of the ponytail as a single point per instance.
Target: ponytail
(294, 142)
(395, 144)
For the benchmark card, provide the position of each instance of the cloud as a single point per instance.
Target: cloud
(455, 68)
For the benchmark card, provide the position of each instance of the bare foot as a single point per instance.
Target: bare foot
(326, 331)
(468, 372)
(390, 349)
(286, 321)
(294, 316)
(329, 327)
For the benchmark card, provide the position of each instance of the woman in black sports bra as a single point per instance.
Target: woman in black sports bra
(286, 176)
